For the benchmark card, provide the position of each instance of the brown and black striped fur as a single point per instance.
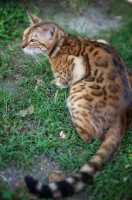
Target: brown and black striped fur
(100, 97)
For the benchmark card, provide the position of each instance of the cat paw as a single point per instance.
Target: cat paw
(58, 83)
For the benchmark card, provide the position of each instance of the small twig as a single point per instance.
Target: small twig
(5, 180)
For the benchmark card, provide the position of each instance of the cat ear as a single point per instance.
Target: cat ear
(52, 31)
(33, 18)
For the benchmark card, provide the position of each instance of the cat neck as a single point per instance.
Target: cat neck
(60, 40)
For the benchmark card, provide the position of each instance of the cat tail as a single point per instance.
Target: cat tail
(84, 176)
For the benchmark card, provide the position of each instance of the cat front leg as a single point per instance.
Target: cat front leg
(58, 82)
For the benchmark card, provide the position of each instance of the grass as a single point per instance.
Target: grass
(21, 138)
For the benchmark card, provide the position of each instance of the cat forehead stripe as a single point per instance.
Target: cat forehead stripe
(36, 26)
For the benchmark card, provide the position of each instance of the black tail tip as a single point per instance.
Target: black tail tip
(29, 180)
(31, 183)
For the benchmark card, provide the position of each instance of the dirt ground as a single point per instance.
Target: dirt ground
(91, 21)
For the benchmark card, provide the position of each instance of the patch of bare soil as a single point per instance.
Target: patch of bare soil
(44, 170)
(9, 86)
(91, 20)
(41, 170)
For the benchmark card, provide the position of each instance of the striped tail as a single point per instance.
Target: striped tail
(86, 174)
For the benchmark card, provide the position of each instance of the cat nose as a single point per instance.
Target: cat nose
(22, 46)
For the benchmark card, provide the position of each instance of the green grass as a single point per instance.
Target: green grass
(21, 138)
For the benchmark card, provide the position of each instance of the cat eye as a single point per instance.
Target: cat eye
(33, 40)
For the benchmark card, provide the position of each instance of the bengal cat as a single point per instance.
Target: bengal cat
(100, 97)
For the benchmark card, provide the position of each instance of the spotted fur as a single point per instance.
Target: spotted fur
(100, 97)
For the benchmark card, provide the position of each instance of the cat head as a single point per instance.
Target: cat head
(40, 37)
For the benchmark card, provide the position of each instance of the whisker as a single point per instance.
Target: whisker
(36, 58)
(40, 60)
(33, 57)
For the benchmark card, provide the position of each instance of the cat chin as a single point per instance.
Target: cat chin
(32, 52)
